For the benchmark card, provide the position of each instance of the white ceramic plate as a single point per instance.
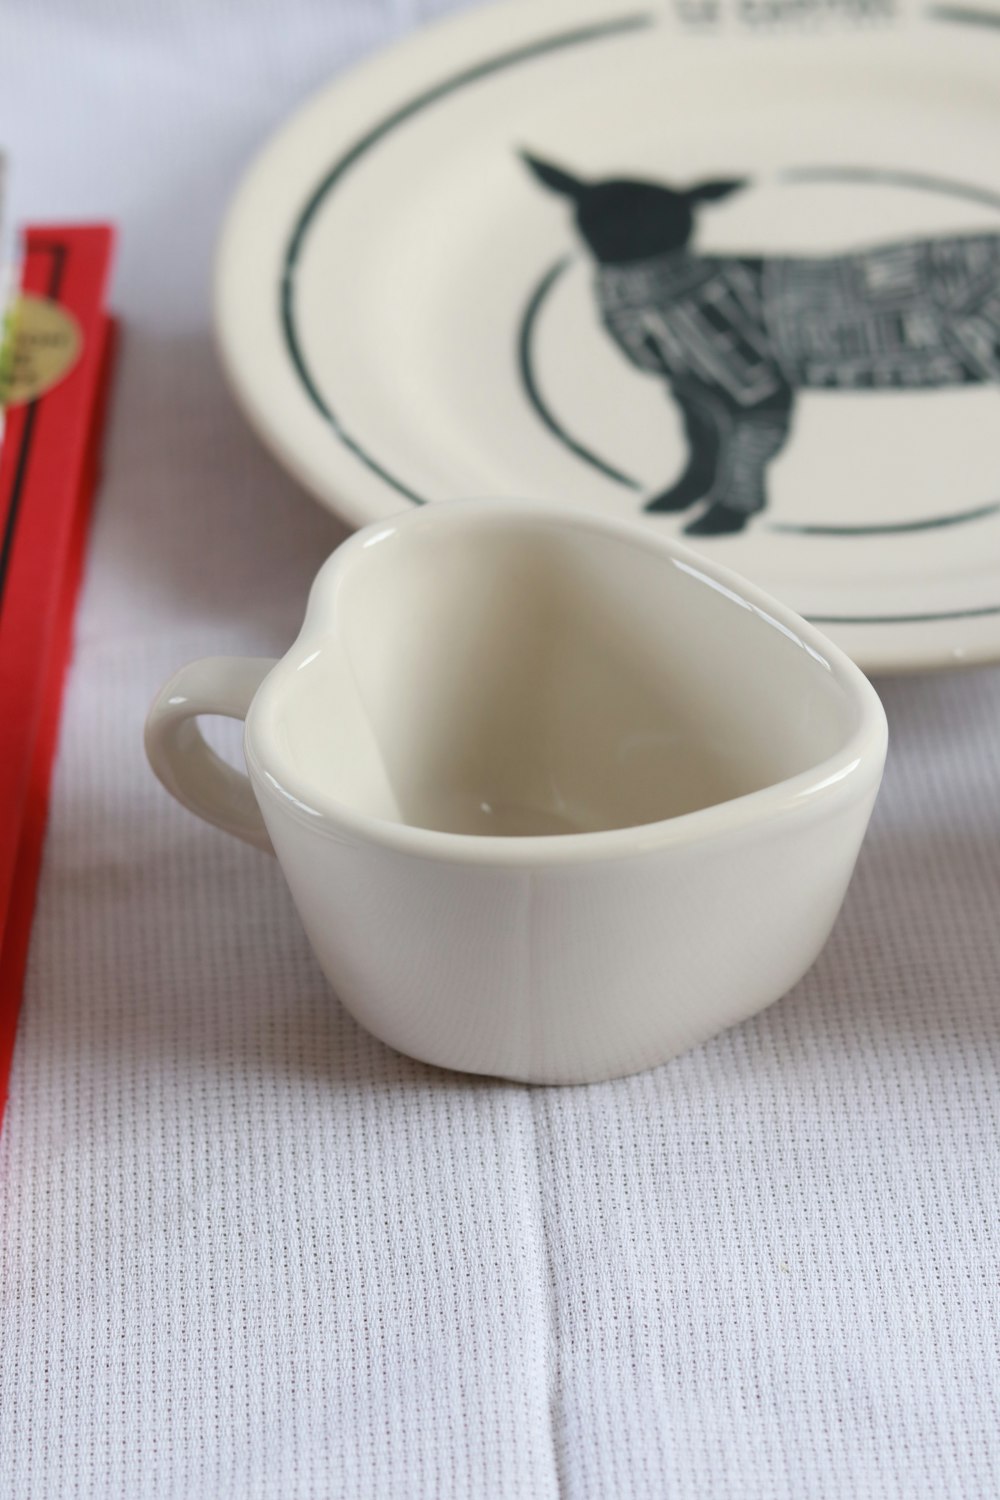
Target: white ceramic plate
(409, 311)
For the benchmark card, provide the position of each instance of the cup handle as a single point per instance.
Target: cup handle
(180, 756)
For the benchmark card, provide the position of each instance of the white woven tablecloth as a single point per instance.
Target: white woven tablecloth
(245, 1250)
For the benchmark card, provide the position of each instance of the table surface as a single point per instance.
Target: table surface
(247, 1251)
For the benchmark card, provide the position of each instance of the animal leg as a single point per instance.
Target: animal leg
(703, 458)
(718, 520)
(739, 491)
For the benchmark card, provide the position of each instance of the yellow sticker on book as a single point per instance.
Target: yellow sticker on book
(45, 343)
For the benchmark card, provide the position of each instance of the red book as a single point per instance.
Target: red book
(48, 470)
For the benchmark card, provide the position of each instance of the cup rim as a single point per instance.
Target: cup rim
(852, 768)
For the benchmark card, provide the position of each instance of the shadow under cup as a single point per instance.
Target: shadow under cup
(495, 680)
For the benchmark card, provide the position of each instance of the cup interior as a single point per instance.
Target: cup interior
(521, 677)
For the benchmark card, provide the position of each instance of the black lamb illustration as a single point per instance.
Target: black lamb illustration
(736, 336)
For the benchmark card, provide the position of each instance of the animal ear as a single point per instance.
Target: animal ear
(553, 177)
(711, 192)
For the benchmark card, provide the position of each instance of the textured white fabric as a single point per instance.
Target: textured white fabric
(246, 1251)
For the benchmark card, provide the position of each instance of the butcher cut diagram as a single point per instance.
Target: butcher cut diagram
(736, 337)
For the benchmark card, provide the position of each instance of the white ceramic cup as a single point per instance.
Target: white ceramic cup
(555, 796)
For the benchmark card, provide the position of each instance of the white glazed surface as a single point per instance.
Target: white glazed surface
(389, 263)
(496, 669)
(569, 972)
